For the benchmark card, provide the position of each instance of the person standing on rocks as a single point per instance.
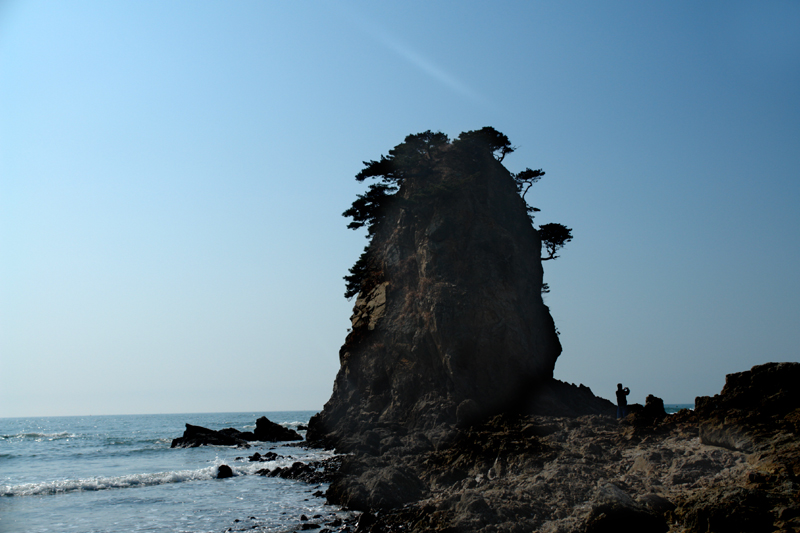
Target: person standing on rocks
(622, 401)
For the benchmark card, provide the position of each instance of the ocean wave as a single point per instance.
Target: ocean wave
(105, 483)
(138, 480)
(40, 436)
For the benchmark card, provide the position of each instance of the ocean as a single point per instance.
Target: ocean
(103, 474)
(672, 408)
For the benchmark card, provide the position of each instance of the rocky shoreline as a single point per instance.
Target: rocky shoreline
(731, 464)
(445, 403)
(720, 468)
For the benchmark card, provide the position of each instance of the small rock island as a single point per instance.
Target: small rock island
(265, 430)
(445, 400)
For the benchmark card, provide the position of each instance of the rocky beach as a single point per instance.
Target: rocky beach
(719, 468)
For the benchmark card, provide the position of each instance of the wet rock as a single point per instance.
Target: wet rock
(257, 457)
(269, 431)
(224, 471)
(195, 436)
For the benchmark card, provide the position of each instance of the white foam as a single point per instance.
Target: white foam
(143, 480)
(104, 483)
(41, 436)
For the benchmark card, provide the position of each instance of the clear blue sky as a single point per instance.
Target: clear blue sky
(172, 178)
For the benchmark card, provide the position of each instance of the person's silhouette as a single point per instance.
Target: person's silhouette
(622, 401)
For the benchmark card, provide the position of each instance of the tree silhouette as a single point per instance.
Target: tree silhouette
(525, 181)
(490, 138)
(554, 236)
(416, 157)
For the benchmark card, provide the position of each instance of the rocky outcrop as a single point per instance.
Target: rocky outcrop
(450, 326)
(649, 472)
(266, 431)
(195, 436)
(313, 472)
(752, 404)
(269, 431)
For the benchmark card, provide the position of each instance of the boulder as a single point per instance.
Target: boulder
(224, 471)
(269, 431)
(195, 436)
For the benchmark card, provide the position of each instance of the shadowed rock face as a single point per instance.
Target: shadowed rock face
(454, 311)
(758, 401)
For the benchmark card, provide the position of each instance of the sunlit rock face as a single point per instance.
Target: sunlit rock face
(454, 313)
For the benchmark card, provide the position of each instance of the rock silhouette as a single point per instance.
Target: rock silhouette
(266, 430)
(449, 326)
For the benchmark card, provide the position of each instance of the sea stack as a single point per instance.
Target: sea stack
(449, 324)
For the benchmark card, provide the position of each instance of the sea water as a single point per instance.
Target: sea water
(104, 474)
(672, 408)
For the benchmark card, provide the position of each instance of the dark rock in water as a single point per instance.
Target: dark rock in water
(224, 471)
(257, 457)
(269, 431)
(314, 472)
(195, 436)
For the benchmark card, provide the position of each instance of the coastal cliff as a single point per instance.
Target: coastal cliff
(449, 325)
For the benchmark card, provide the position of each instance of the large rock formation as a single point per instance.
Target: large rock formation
(449, 324)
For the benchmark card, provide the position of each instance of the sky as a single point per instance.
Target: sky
(173, 174)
